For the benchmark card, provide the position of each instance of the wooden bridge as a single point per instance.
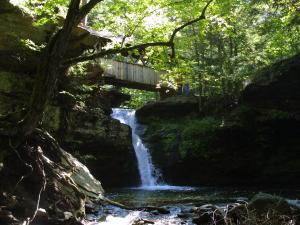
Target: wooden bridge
(134, 76)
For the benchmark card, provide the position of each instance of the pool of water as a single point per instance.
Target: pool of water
(165, 195)
(178, 200)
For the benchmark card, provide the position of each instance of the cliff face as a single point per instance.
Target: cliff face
(257, 142)
(276, 87)
(79, 113)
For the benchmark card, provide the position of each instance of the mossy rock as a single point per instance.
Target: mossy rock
(16, 24)
(15, 91)
(262, 203)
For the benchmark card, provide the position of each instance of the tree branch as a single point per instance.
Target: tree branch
(114, 51)
(169, 43)
(85, 9)
(201, 17)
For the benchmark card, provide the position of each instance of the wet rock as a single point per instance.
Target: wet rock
(102, 144)
(263, 202)
(71, 221)
(142, 221)
(115, 97)
(202, 219)
(163, 210)
(7, 218)
(185, 215)
(41, 217)
(67, 215)
(90, 207)
(204, 208)
(236, 212)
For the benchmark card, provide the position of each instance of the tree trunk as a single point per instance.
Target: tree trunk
(48, 71)
(84, 20)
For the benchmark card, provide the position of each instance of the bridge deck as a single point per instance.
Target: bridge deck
(130, 75)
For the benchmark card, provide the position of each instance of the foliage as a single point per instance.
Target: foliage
(274, 114)
(138, 98)
(217, 56)
(194, 135)
(197, 137)
(47, 11)
(29, 44)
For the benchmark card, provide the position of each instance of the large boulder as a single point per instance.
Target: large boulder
(276, 87)
(262, 203)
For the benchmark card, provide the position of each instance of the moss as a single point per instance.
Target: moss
(190, 136)
(241, 116)
(198, 137)
(15, 89)
(52, 118)
(6, 83)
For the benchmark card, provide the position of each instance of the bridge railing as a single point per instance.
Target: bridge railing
(130, 72)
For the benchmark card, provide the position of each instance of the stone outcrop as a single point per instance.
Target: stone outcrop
(102, 144)
(170, 107)
(276, 87)
(16, 31)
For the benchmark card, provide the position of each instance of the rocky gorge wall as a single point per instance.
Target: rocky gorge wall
(79, 113)
(255, 142)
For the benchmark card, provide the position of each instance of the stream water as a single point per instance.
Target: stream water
(178, 200)
(150, 176)
(148, 173)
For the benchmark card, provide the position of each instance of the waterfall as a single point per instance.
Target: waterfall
(148, 173)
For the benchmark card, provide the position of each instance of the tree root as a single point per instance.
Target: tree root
(50, 165)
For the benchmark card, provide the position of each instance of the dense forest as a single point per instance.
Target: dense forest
(193, 104)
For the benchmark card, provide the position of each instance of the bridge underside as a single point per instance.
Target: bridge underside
(164, 91)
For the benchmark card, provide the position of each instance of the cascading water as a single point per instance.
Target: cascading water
(148, 173)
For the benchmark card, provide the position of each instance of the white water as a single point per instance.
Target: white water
(148, 173)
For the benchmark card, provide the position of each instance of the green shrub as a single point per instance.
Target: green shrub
(274, 114)
(198, 136)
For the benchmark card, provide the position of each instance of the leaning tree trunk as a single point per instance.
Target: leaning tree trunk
(34, 148)
(48, 71)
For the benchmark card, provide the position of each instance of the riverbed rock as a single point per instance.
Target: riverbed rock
(263, 202)
(7, 218)
(203, 219)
